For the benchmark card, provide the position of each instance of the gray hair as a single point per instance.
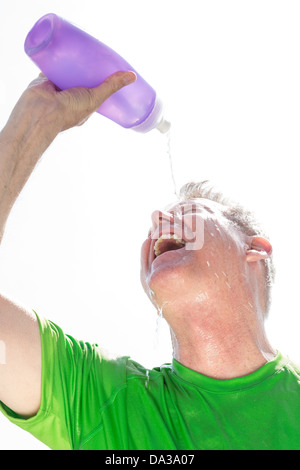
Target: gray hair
(243, 219)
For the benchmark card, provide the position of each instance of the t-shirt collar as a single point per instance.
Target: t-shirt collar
(239, 383)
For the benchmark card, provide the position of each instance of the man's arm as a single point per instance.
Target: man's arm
(39, 116)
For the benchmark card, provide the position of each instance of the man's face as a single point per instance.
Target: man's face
(192, 252)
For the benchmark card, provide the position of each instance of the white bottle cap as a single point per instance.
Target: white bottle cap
(163, 126)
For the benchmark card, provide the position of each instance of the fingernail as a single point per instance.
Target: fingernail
(130, 77)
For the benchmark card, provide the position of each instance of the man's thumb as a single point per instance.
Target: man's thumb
(113, 83)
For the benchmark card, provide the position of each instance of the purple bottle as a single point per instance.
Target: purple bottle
(70, 57)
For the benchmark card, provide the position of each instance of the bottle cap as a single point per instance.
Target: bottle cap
(154, 120)
(163, 126)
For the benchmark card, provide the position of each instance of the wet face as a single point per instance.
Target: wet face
(192, 254)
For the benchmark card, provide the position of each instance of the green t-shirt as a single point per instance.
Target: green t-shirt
(90, 401)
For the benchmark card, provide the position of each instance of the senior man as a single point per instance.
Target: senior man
(206, 267)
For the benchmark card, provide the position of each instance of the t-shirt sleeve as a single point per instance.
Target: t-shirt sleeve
(77, 379)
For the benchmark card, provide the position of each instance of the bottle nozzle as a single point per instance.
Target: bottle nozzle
(163, 126)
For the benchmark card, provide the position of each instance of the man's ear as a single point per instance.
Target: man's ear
(260, 248)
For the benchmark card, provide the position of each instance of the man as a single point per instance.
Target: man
(206, 268)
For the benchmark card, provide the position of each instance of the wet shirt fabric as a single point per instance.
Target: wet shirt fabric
(90, 401)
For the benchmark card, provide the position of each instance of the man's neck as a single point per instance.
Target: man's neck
(221, 348)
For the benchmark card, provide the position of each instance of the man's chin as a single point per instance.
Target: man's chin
(164, 286)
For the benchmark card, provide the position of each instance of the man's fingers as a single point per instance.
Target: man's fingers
(113, 83)
(75, 105)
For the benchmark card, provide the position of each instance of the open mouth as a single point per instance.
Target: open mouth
(167, 242)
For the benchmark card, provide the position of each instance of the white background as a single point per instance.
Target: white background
(228, 73)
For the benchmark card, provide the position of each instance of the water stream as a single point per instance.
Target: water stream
(168, 135)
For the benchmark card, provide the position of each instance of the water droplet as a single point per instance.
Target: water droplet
(159, 319)
(208, 264)
(202, 296)
(147, 379)
(216, 275)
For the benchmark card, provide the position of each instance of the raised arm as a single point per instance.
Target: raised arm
(40, 115)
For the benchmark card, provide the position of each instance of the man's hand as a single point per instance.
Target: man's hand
(43, 101)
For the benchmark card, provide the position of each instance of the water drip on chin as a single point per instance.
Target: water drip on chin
(159, 319)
